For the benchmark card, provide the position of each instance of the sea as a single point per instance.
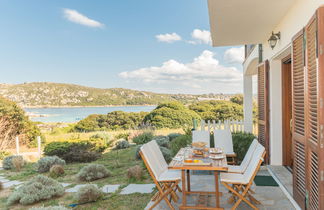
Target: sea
(74, 114)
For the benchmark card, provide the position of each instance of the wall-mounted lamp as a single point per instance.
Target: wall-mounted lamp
(274, 39)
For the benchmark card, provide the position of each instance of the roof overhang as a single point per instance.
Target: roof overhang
(238, 22)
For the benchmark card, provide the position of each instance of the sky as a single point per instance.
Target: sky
(160, 46)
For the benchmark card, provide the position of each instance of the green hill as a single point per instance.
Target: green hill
(42, 94)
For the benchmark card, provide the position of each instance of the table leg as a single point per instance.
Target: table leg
(184, 199)
(216, 188)
(188, 180)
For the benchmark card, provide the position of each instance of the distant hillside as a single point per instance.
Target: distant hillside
(42, 94)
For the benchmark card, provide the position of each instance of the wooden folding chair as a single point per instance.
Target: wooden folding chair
(166, 181)
(239, 184)
(223, 139)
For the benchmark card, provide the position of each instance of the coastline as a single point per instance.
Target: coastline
(94, 106)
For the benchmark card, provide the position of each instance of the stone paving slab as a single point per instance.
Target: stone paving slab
(11, 183)
(110, 188)
(137, 188)
(65, 184)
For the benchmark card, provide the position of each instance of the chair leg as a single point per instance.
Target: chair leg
(241, 196)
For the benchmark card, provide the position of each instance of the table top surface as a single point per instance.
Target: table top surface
(216, 165)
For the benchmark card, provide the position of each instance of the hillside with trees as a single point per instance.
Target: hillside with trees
(45, 94)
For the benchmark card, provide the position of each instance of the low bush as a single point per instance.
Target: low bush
(122, 136)
(167, 154)
(93, 172)
(88, 193)
(17, 162)
(49, 208)
(56, 171)
(143, 138)
(7, 162)
(162, 141)
(37, 189)
(172, 136)
(180, 142)
(45, 163)
(241, 143)
(73, 151)
(135, 172)
(121, 144)
(137, 152)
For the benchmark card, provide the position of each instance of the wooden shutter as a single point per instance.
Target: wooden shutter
(308, 114)
(263, 106)
(315, 112)
(298, 117)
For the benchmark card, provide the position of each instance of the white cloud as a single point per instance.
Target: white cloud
(169, 38)
(200, 36)
(76, 17)
(203, 72)
(234, 55)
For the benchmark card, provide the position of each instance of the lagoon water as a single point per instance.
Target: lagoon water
(74, 114)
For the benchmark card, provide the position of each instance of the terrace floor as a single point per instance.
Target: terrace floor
(270, 197)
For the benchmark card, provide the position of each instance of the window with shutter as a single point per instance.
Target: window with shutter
(308, 114)
(298, 116)
(263, 106)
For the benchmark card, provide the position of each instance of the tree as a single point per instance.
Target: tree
(238, 99)
(171, 115)
(218, 110)
(14, 122)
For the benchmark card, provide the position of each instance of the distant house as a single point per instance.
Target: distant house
(284, 47)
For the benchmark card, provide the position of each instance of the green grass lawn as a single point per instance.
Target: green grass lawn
(116, 162)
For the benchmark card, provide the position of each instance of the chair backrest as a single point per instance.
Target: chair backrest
(201, 136)
(248, 155)
(255, 163)
(151, 160)
(223, 139)
(158, 154)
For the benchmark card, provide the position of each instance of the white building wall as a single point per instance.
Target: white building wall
(294, 21)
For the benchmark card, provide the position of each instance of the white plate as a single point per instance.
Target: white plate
(216, 157)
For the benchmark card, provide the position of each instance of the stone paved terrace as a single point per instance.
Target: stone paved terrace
(270, 197)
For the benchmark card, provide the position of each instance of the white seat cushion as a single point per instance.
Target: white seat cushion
(170, 175)
(233, 178)
(235, 169)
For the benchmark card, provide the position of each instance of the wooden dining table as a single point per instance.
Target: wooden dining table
(216, 166)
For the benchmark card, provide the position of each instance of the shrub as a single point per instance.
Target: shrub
(7, 163)
(37, 189)
(73, 151)
(45, 163)
(56, 171)
(49, 208)
(162, 141)
(121, 144)
(172, 136)
(143, 138)
(93, 172)
(180, 142)
(88, 193)
(17, 162)
(241, 143)
(171, 115)
(135, 172)
(167, 154)
(122, 136)
(137, 152)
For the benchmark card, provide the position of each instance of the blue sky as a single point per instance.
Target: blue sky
(160, 46)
